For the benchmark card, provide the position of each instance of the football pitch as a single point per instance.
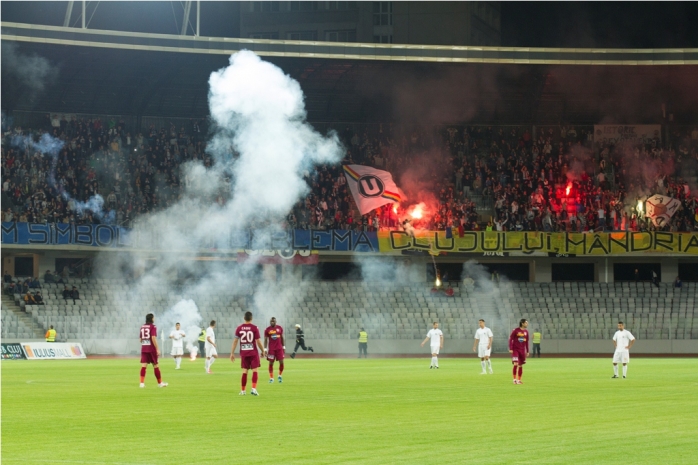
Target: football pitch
(332, 411)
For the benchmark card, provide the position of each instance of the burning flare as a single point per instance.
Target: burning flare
(569, 188)
(417, 211)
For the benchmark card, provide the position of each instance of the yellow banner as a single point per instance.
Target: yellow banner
(616, 243)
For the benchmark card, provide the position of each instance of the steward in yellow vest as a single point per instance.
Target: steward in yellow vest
(363, 343)
(51, 335)
(202, 342)
(536, 343)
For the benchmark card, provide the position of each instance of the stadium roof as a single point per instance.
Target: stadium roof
(113, 72)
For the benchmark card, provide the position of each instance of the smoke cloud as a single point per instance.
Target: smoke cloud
(32, 71)
(260, 146)
(186, 313)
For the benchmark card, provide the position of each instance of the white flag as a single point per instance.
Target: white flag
(370, 187)
(661, 208)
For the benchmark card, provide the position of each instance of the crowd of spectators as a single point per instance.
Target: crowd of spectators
(134, 173)
(547, 179)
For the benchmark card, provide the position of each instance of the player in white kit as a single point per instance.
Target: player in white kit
(437, 343)
(483, 345)
(623, 341)
(211, 352)
(177, 337)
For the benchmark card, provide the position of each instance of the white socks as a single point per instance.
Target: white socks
(211, 362)
(615, 370)
(178, 361)
(435, 361)
(208, 363)
(489, 364)
(625, 370)
(482, 363)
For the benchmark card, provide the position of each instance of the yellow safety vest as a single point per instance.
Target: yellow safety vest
(363, 336)
(536, 338)
(202, 336)
(51, 335)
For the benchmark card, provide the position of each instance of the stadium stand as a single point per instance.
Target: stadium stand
(336, 310)
(537, 179)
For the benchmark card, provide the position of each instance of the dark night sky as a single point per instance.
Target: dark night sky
(524, 24)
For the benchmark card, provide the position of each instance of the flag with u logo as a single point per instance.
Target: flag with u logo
(370, 187)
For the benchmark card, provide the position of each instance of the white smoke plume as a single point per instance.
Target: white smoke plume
(186, 313)
(32, 71)
(260, 147)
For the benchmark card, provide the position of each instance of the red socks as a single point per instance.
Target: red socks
(520, 372)
(157, 375)
(142, 374)
(271, 369)
(254, 380)
(513, 372)
(244, 381)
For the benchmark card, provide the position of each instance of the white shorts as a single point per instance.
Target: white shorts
(483, 351)
(435, 349)
(177, 351)
(621, 356)
(211, 352)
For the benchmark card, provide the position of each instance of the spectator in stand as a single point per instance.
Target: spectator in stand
(29, 298)
(38, 299)
(48, 277)
(677, 283)
(67, 294)
(75, 294)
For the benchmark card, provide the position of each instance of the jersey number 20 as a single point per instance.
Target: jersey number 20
(246, 336)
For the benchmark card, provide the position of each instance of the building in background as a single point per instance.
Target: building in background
(428, 23)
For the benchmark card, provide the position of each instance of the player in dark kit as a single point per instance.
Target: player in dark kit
(519, 348)
(248, 336)
(275, 343)
(300, 342)
(149, 349)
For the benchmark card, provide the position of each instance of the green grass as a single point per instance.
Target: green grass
(351, 411)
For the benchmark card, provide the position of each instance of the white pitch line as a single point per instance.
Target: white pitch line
(84, 462)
